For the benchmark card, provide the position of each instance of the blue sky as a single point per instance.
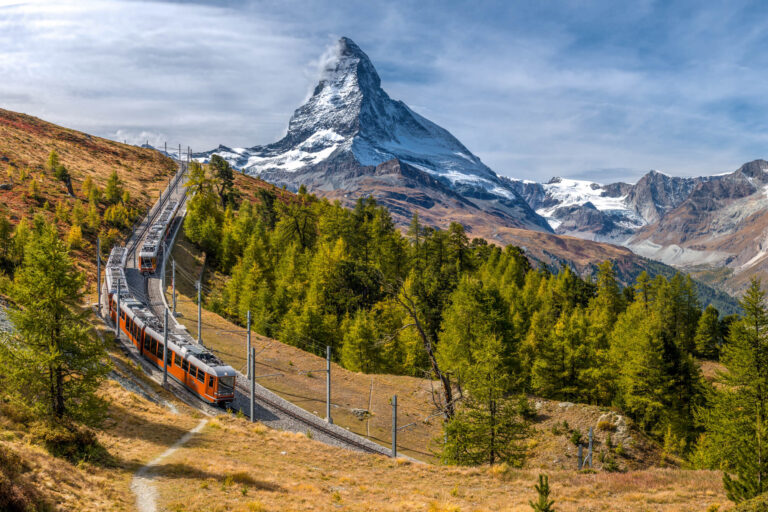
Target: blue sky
(536, 89)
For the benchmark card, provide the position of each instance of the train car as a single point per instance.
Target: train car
(156, 234)
(194, 366)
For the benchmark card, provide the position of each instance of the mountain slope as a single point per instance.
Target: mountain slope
(350, 125)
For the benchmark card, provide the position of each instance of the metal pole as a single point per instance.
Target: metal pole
(248, 342)
(179, 152)
(253, 384)
(188, 155)
(117, 311)
(98, 273)
(165, 347)
(394, 426)
(328, 384)
(589, 454)
(166, 148)
(162, 278)
(199, 314)
(173, 282)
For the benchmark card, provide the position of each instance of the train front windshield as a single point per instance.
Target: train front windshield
(146, 262)
(226, 385)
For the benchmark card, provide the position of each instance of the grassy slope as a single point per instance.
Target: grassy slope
(235, 465)
(26, 142)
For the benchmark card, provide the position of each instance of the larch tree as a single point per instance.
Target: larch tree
(736, 421)
(52, 363)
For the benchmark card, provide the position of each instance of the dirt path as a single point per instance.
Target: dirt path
(141, 485)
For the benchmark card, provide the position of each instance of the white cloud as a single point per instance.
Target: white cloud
(533, 92)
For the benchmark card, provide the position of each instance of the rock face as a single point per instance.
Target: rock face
(350, 126)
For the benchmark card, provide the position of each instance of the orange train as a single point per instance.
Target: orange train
(194, 366)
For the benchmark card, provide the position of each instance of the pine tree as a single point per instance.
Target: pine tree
(52, 363)
(224, 179)
(709, 334)
(114, 189)
(736, 421)
(543, 504)
(53, 161)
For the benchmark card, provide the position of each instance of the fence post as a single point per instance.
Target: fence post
(394, 426)
(589, 453)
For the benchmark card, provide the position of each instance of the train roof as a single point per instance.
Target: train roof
(156, 231)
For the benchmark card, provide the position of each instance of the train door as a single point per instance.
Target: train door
(209, 384)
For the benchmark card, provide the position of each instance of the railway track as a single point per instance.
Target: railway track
(316, 425)
(274, 409)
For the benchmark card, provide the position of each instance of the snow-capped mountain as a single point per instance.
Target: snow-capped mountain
(351, 122)
(612, 212)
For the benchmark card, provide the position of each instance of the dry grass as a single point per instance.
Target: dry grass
(284, 471)
(26, 142)
(239, 466)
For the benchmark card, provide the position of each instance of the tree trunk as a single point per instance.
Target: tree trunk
(444, 379)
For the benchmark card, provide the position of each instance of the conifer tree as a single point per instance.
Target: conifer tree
(709, 334)
(114, 189)
(543, 504)
(52, 363)
(736, 422)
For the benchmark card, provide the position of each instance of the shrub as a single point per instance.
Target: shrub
(70, 442)
(576, 437)
(606, 426)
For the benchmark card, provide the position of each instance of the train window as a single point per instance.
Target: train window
(200, 375)
(192, 370)
(184, 365)
(153, 347)
(210, 382)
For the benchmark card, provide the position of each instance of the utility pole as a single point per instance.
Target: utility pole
(166, 148)
(328, 384)
(173, 283)
(165, 347)
(188, 155)
(199, 315)
(253, 384)
(394, 427)
(179, 152)
(98, 273)
(117, 311)
(248, 342)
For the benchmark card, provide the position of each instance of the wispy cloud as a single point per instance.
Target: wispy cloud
(535, 89)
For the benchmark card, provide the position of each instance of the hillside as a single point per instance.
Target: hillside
(25, 145)
(240, 466)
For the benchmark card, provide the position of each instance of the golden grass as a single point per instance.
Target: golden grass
(286, 471)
